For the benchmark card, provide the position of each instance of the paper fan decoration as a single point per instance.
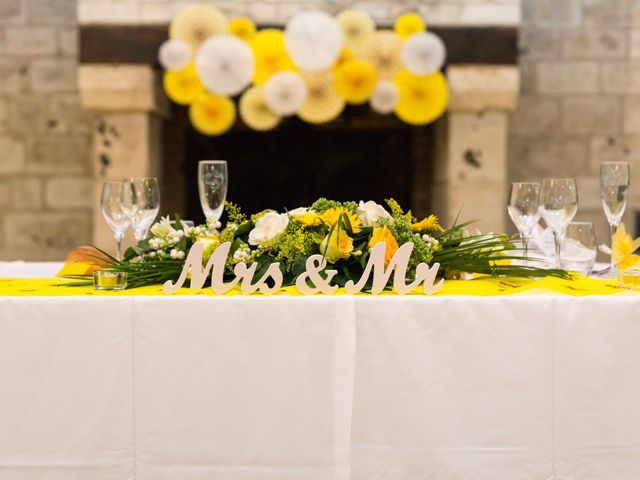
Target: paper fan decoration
(323, 103)
(356, 26)
(183, 86)
(285, 92)
(385, 97)
(195, 23)
(174, 55)
(422, 98)
(423, 53)
(382, 50)
(225, 64)
(314, 40)
(409, 24)
(212, 114)
(355, 80)
(243, 28)
(255, 112)
(270, 54)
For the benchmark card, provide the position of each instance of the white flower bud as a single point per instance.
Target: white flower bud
(180, 255)
(173, 254)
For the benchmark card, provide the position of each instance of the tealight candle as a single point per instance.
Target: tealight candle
(630, 278)
(109, 280)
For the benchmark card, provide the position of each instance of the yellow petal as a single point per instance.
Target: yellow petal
(212, 114)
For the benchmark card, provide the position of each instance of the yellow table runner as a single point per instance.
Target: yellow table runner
(485, 286)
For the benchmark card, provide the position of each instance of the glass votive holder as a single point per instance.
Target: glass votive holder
(109, 280)
(629, 278)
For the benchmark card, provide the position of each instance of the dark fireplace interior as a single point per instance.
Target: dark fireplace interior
(360, 156)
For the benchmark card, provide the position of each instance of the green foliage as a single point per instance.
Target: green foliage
(234, 213)
(295, 244)
(322, 205)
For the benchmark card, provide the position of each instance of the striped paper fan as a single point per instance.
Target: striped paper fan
(323, 103)
(195, 23)
(382, 49)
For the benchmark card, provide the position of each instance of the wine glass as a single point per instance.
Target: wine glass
(614, 189)
(117, 219)
(559, 204)
(579, 248)
(524, 209)
(212, 185)
(141, 202)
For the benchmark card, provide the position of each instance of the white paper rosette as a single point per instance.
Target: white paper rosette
(423, 53)
(313, 40)
(385, 97)
(285, 92)
(174, 54)
(225, 64)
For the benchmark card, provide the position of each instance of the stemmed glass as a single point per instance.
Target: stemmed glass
(524, 209)
(212, 185)
(117, 219)
(559, 204)
(614, 189)
(141, 202)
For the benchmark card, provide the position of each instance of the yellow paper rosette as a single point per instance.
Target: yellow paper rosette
(270, 55)
(345, 55)
(212, 114)
(195, 23)
(355, 80)
(183, 86)
(242, 27)
(255, 112)
(409, 24)
(356, 26)
(323, 103)
(422, 98)
(382, 50)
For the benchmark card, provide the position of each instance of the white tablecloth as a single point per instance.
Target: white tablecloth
(320, 388)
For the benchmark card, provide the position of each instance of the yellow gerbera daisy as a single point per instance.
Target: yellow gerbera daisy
(183, 86)
(242, 27)
(270, 54)
(409, 24)
(212, 114)
(332, 215)
(355, 81)
(383, 234)
(622, 248)
(427, 223)
(422, 98)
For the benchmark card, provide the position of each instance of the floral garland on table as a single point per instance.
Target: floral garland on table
(344, 233)
(312, 68)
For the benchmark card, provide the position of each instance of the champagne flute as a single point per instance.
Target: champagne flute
(212, 186)
(141, 202)
(524, 209)
(559, 204)
(614, 189)
(117, 219)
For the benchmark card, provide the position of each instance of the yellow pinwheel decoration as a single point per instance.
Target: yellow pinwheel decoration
(183, 86)
(270, 54)
(355, 80)
(622, 248)
(212, 114)
(422, 98)
(409, 24)
(242, 27)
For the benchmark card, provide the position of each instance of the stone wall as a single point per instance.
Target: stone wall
(45, 178)
(580, 96)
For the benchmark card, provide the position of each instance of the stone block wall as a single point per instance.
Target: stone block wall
(45, 178)
(580, 97)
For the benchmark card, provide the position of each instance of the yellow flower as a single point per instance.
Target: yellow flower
(212, 114)
(427, 223)
(332, 215)
(422, 98)
(622, 248)
(270, 54)
(336, 245)
(242, 27)
(183, 86)
(409, 24)
(383, 234)
(309, 219)
(355, 80)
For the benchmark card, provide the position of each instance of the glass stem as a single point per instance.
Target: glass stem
(119, 237)
(557, 240)
(613, 228)
(525, 244)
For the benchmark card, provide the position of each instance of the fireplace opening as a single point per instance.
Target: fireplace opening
(359, 156)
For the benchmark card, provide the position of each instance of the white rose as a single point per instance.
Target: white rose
(369, 213)
(269, 226)
(298, 212)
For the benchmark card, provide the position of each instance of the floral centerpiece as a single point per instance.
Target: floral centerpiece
(342, 232)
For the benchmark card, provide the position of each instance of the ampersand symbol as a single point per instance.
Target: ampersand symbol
(315, 264)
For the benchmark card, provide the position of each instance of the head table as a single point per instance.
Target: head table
(529, 386)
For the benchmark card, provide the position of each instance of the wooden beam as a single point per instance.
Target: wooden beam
(139, 44)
